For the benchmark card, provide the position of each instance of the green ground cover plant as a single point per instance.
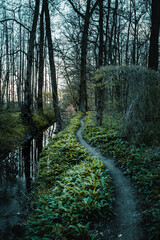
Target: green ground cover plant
(72, 192)
(141, 163)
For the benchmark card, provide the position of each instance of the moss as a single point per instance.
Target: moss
(49, 114)
(39, 120)
(13, 131)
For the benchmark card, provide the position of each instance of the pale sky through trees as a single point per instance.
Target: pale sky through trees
(126, 37)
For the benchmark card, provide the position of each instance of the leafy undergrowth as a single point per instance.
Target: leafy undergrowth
(141, 164)
(73, 190)
(13, 130)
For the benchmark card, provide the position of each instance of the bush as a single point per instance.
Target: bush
(133, 92)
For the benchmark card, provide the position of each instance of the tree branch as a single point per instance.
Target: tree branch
(75, 9)
(93, 8)
(12, 19)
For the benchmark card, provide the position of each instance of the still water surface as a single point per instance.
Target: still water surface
(17, 172)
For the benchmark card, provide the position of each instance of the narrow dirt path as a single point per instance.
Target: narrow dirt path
(126, 224)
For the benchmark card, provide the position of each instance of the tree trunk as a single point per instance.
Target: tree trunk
(41, 63)
(23, 72)
(20, 69)
(111, 50)
(84, 43)
(127, 44)
(153, 50)
(134, 40)
(7, 68)
(100, 33)
(52, 68)
(26, 110)
(106, 33)
(128, 37)
(119, 45)
(13, 69)
(115, 34)
(0, 82)
(99, 89)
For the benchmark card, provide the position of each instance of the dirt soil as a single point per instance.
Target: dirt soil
(126, 225)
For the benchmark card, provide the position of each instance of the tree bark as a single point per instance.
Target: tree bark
(99, 89)
(127, 44)
(52, 68)
(26, 110)
(100, 33)
(83, 89)
(134, 34)
(41, 63)
(153, 50)
(84, 43)
(0, 82)
(115, 34)
(106, 33)
(20, 69)
(113, 31)
(7, 68)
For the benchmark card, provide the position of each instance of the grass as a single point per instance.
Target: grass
(73, 190)
(141, 163)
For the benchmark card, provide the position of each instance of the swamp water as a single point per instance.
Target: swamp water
(17, 172)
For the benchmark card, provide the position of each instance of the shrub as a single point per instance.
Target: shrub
(133, 92)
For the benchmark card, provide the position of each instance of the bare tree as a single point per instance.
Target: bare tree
(99, 89)
(41, 62)
(84, 43)
(26, 110)
(52, 68)
(106, 32)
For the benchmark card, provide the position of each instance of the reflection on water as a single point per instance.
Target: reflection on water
(48, 134)
(17, 171)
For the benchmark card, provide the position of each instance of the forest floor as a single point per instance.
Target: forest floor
(126, 225)
(90, 196)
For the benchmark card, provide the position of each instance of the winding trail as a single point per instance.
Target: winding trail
(126, 223)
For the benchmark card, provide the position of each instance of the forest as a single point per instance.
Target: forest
(96, 60)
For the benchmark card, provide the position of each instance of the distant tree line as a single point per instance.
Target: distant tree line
(43, 41)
